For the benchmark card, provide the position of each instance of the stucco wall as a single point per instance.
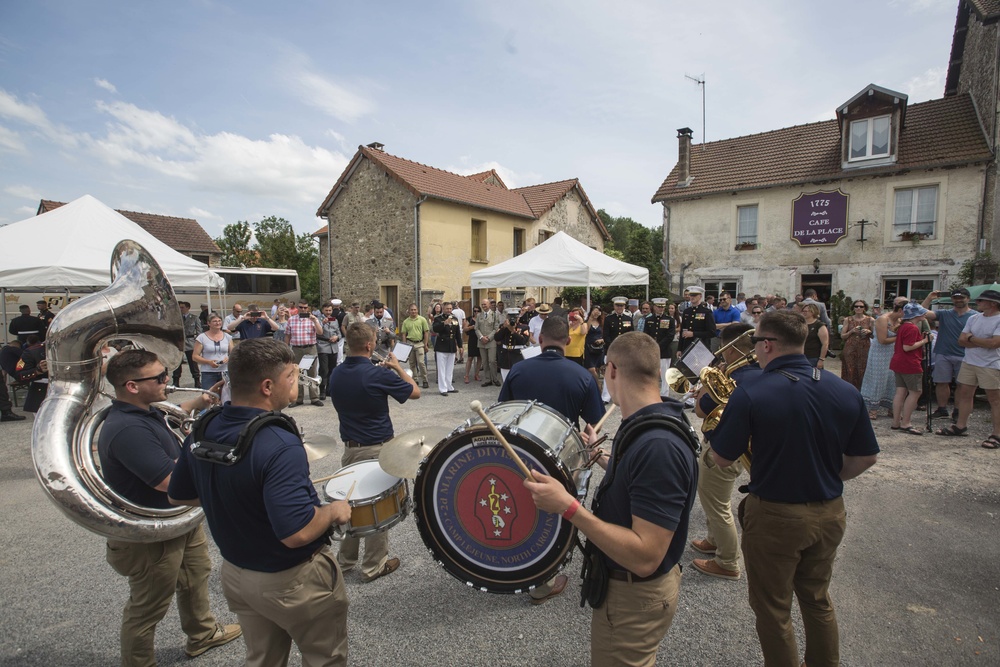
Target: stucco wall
(703, 232)
(371, 223)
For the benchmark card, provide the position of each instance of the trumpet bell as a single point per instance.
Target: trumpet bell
(677, 382)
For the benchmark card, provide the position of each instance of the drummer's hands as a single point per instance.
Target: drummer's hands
(340, 512)
(588, 435)
(548, 493)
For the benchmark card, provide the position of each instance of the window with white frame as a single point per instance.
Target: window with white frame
(746, 224)
(870, 138)
(915, 214)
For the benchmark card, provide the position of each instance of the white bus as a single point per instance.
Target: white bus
(257, 285)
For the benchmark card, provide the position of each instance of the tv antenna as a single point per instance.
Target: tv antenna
(701, 82)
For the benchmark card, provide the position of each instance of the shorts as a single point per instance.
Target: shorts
(946, 368)
(981, 376)
(909, 381)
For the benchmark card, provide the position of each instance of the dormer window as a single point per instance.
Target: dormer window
(870, 138)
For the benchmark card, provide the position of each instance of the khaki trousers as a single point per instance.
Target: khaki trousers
(300, 352)
(628, 627)
(306, 604)
(489, 356)
(377, 545)
(715, 492)
(155, 571)
(791, 548)
(417, 364)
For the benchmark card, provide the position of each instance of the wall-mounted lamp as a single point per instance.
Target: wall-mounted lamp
(816, 265)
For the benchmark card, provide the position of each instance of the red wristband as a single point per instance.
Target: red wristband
(571, 510)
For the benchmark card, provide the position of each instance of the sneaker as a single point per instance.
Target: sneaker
(12, 417)
(390, 566)
(223, 635)
(940, 413)
(558, 586)
(713, 569)
(703, 547)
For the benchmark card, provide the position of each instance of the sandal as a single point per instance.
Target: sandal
(873, 415)
(952, 430)
(466, 379)
(992, 442)
(912, 430)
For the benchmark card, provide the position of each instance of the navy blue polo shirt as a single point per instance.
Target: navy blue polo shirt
(249, 330)
(655, 480)
(137, 451)
(253, 505)
(800, 431)
(565, 386)
(739, 376)
(359, 390)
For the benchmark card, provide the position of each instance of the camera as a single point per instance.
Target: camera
(304, 313)
(512, 320)
(253, 313)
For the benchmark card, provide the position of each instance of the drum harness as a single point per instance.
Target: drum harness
(231, 454)
(595, 573)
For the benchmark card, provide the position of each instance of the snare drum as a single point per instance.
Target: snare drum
(379, 500)
(471, 507)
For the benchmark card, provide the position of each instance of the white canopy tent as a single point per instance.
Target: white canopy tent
(69, 250)
(564, 261)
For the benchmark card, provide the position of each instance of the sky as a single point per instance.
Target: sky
(229, 110)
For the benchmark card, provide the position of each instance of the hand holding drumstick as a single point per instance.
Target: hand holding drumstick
(477, 407)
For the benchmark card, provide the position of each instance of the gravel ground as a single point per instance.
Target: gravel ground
(914, 583)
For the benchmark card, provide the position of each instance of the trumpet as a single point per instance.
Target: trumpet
(380, 357)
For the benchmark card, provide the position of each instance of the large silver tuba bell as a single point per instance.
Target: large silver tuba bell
(140, 306)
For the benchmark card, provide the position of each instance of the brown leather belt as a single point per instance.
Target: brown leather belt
(352, 443)
(625, 575)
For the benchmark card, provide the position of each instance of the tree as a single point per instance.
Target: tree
(235, 245)
(275, 245)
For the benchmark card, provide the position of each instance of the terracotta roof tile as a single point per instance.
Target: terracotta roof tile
(484, 176)
(937, 133)
(181, 234)
(425, 181)
(987, 9)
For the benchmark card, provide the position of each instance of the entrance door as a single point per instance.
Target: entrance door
(822, 283)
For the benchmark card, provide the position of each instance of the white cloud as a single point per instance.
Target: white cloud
(10, 141)
(106, 85)
(23, 192)
(281, 166)
(30, 114)
(926, 86)
(202, 214)
(329, 96)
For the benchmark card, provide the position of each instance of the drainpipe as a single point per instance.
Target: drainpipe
(416, 254)
(329, 254)
(680, 287)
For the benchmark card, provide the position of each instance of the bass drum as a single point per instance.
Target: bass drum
(471, 507)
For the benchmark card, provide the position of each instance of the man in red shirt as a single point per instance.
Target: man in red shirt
(907, 365)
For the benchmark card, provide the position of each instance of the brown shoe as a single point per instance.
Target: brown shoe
(390, 566)
(703, 547)
(713, 569)
(223, 635)
(558, 586)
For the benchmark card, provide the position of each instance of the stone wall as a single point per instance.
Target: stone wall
(703, 232)
(371, 227)
(570, 215)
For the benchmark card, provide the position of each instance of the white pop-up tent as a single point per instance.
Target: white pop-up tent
(561, 260)
(70, 248)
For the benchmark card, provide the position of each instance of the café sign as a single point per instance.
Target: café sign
(819, 218)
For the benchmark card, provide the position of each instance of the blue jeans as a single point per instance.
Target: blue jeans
(209, 378)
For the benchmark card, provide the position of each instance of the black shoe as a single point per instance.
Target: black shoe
(444, 393)
(453, 391)
(830, 355)
(12, 417)
(425, 384)
(939, 413)
(487, 384)
(498, 383)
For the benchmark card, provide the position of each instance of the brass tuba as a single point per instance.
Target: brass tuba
(720, 385)
(140, 306)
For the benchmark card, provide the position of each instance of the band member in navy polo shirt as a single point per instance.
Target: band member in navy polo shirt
(360, 392)
(137, 451)
(817, 436)
(279, 574)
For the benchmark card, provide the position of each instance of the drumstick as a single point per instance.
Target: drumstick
(477, 407)
(599, 425)
(334, 476)
(351, 490)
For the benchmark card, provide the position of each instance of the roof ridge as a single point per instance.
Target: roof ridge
(445, 171)
(564, 180)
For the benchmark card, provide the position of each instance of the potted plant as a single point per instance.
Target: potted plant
(913, 237)
(746, 245)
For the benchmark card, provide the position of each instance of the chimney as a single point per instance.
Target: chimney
(378, 147)
(684, 157)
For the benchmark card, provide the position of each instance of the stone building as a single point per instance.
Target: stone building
(885, 199)
(184, 235)
(404, 232)
(973, 69)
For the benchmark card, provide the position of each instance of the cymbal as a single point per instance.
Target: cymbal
(402, 455)
(319, 446)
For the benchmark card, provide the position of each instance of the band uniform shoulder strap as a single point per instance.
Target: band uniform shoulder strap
(230, 454)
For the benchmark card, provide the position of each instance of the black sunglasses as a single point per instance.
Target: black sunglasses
(756, 312)
(757, 339)
(859, 305)
(160, 379)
